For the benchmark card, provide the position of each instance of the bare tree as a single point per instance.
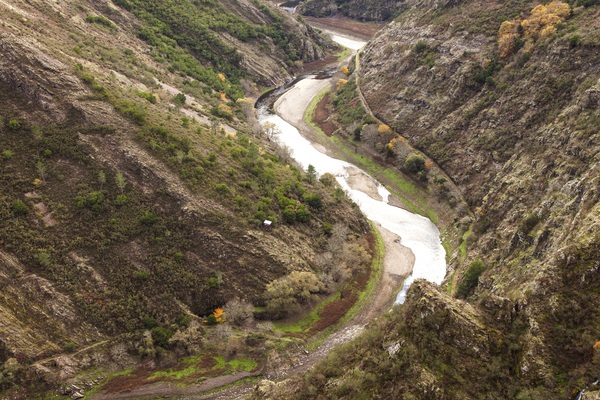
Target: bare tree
(101, 178)
(120, 181)
(238, 311)
(41, 169)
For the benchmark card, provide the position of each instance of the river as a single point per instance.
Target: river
(417, 233)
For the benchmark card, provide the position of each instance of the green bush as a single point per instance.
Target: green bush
(142, 276)
(149, 323)
(314, 200)
(6, 154)
(574, 40)
(161, 336)
(121, 200)
(211, 320)
(14, 125)
(327, 228)
(19, 208)
(471, 278)
(47, 153)
(87, 78)
(289, 215)
(183, 320)
(213, 283)
(178, 257)
(421, 47)
(222, 188)
(414, 163)
(70, 346)
(148, 218)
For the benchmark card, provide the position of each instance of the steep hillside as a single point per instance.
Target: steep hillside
(127, 205)
(504, 97)
(362, 10)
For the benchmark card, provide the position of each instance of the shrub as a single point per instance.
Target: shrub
(179, 99)
(121, 200)
(302, 215)
(6, 154)
(141, 276)
(149, 322)
(414, 163)
(231, 172)
(178, 257)
(471, 278)
(14, 125)
(19, 208)
(574, 40)
(327, 228)
(87, 78)
(148, 218)
(183, 320)
(161, 336)
(314, 200)
(70, 346)
(211, 320)
(44, 259)
(421, 47)
(530, 221)
(289, 215)
(222, 189)
(47, 153)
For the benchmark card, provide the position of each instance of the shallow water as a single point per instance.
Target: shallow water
(417, 233)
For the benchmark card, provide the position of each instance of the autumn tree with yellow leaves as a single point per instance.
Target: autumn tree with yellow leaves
(540, 25)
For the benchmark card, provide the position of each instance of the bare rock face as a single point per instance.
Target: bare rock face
(42, 79)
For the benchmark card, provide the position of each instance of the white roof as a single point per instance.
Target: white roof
(267, 222)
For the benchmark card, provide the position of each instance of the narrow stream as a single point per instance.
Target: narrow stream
(417, 233)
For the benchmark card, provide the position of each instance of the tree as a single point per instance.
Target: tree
(311, 173)
(41, 169)
(471, 278)
(298, 287)
(345, 70)
(37, 134)
(101, 178)
(238, 311)
(271, 130)
(179, 99)
(414, 163)
(120, 181)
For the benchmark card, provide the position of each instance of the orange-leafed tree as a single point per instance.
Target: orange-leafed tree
(218, 313)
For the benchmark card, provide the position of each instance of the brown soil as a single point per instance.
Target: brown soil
(321, 116)
(126, 383)
(315, 65)
(335, 310)
(367, 30)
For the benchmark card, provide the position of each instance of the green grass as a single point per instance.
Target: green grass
(230, 367)
(343, 54)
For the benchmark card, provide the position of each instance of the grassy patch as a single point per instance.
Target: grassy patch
(343, 54)
(308, 320)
